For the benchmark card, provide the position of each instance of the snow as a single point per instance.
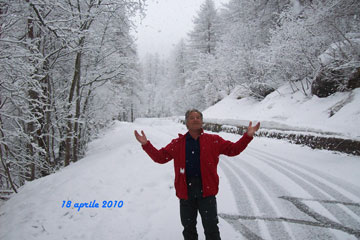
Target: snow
(115, 168)
(336, 50)
(286, 110)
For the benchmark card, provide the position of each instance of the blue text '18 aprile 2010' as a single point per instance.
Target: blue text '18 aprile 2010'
(92, 204)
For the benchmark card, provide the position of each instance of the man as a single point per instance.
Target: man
(196, 156)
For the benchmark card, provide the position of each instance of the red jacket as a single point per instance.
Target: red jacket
(211, 146)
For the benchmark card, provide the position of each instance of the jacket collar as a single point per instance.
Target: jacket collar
(183, 135)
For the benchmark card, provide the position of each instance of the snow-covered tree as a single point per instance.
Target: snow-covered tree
(203, 37)
(179, 71)
(202, 45)
(56, 60)
(158, 87)
(306, 31)
(245, 34)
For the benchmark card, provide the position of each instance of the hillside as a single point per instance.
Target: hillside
(338, 114)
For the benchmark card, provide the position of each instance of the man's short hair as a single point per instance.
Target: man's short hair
(187, 114)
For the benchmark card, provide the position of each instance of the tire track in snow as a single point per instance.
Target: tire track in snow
(306, 180)
(266, 204)
(262, 173)
(320, 188)
(320, 220)
(352, 193)
(247, 229)
(272, 206)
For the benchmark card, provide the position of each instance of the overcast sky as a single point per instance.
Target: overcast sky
(166, 22)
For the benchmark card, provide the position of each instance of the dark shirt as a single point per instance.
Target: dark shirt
(192, 154)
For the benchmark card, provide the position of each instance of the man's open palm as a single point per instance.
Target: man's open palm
(252, 129)
(141, 138)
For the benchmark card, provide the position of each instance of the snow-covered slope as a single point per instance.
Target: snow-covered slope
(284, 109)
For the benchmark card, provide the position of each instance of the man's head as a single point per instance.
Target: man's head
(193, 119)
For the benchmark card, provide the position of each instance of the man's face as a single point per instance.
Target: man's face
(194, 121)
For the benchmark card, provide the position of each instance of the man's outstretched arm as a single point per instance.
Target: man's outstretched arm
(232, 149)
(159, 156)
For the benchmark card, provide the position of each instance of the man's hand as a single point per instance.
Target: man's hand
(141, 138)
(252, 129)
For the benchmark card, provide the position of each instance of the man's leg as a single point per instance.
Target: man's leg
(209, 217)
(188, 215)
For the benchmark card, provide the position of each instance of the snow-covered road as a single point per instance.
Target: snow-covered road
(273, 190)
(278, 197)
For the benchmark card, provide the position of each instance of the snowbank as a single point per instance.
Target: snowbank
(284, 109)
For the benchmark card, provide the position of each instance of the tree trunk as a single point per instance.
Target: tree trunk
(75, 82)
(32, 95)
(5, 166)
(7, 171)
(132, 112)
(77, 117)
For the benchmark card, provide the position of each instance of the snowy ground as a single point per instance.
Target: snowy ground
(273, 190)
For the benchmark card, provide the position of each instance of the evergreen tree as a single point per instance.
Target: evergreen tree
(203, 37)
(202, 45)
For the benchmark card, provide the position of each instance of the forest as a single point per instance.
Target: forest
(68, 68)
